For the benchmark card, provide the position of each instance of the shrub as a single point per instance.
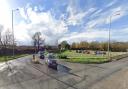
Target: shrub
(61, 56)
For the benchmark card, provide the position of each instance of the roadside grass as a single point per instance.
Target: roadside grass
(87, 60)
(7, 58)
(74, 57)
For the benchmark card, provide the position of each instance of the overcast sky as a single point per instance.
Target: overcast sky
(71, 20)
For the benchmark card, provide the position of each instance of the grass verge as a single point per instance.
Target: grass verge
(87, 60)
(74, 57)
(7, 58)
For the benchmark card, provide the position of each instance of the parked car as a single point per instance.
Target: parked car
(41, 54)
(51, 62)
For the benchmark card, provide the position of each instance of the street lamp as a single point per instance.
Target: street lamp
(13, 30)
(109, 34)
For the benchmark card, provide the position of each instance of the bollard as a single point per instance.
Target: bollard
(35, 59)
(33, 56)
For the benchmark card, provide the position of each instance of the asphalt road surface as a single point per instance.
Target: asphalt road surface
(22, 73)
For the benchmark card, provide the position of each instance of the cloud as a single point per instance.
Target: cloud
(5, 14)
(116, 13)
(43, 22)
(76, 17)
(54, 29)
(86, 36)
(111, 3)
(120, 34)
(100, 18)
(97, 35)
(22, 13)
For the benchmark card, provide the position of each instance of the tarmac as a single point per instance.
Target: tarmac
(22, 73)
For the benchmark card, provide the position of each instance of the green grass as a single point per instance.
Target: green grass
(84, 58)
(88, 58)
(73, 54)
(7, 58)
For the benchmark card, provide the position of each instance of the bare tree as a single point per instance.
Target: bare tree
(1, 29)
(7, 39)
(6, 42)
(37, 40)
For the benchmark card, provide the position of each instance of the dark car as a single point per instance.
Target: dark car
(41, 54)
(51, 62)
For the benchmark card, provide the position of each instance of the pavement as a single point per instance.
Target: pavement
(118, 80)
(24, 74)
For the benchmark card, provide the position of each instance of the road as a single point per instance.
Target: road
(27, 75)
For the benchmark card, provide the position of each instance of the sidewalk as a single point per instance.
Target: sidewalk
(118, 80)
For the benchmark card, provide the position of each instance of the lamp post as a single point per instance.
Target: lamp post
(13, 31)
(109, 34)
(109, 38)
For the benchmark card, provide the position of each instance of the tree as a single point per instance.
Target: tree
(1, 28)
(37, 40)
(8, 39)
(73, 46)
(104, 46)
(64, 45)
(84, 45)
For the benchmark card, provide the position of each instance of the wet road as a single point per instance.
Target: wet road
(27, 75)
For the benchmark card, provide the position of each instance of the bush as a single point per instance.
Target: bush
(60, 56)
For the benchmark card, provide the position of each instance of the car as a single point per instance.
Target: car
(51, 62)
(41, 54)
